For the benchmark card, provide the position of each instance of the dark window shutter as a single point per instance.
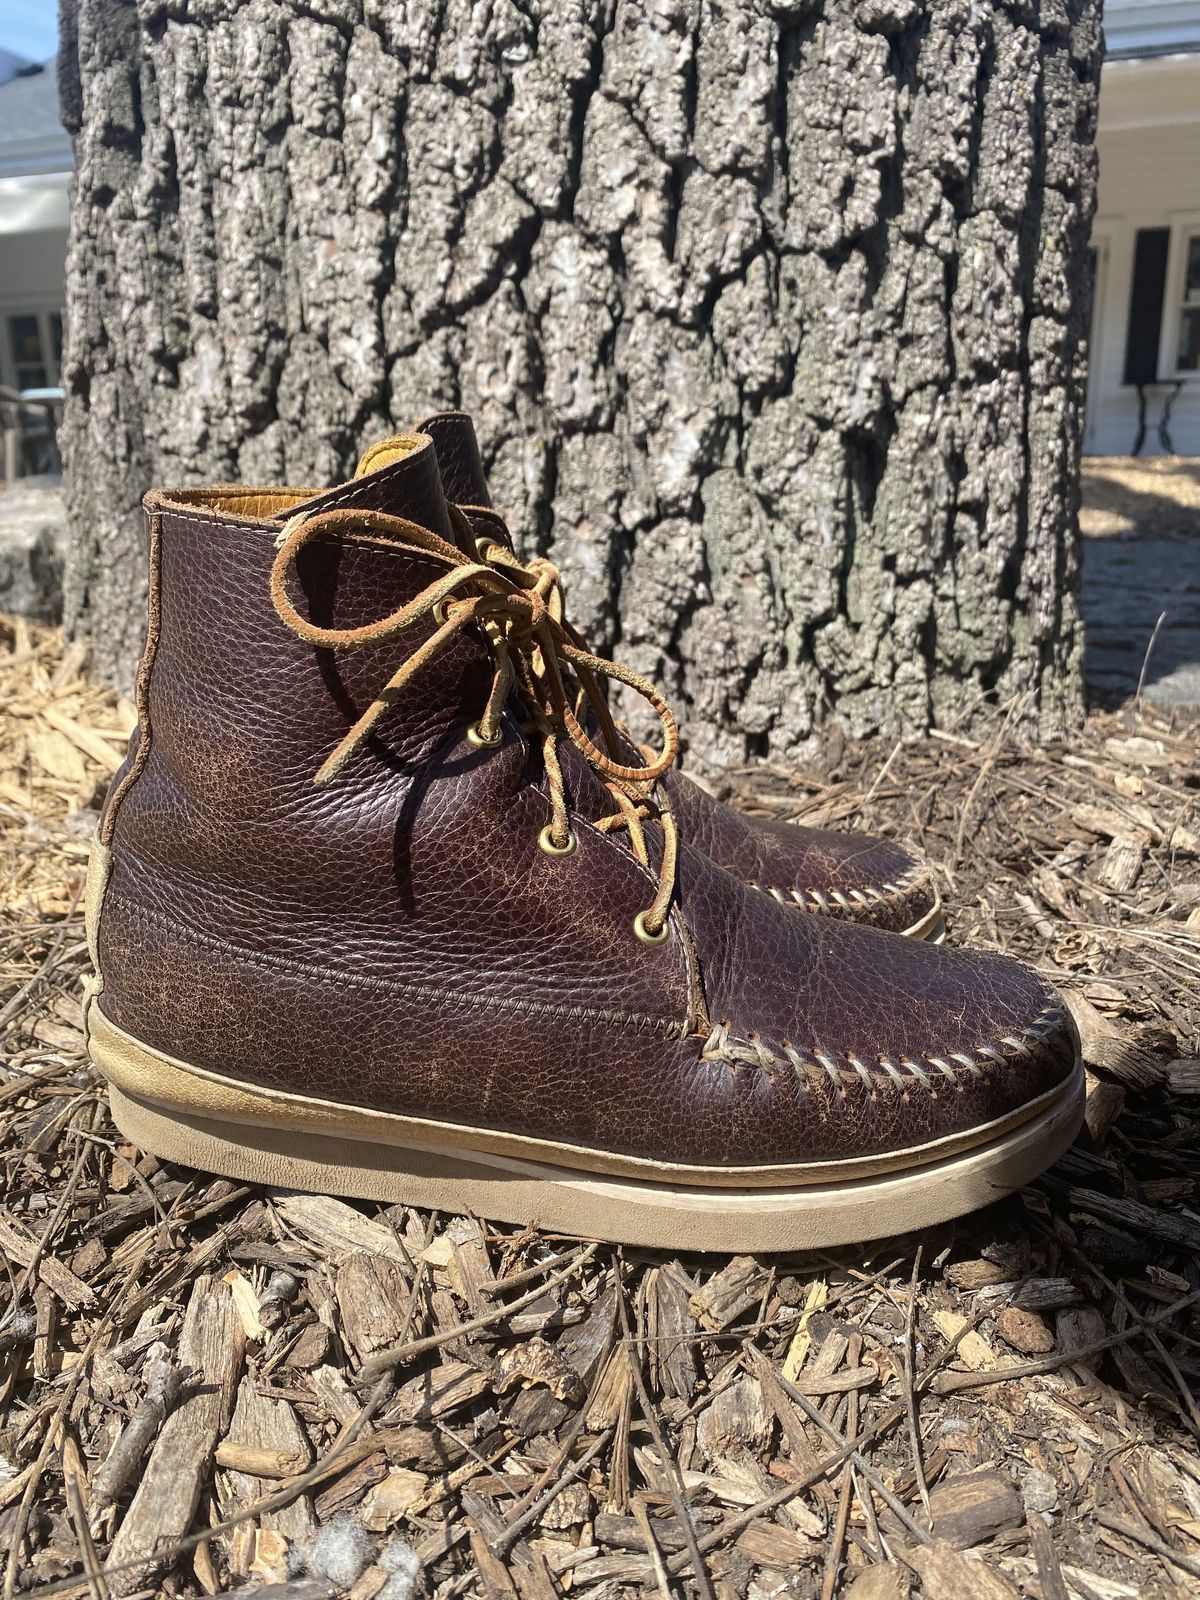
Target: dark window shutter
(1146, 304)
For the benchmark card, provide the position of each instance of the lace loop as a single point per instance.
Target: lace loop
(520, 612)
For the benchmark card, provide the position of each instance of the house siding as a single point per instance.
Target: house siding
(1149, 178)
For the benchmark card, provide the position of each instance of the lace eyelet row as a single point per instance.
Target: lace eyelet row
(640, 927)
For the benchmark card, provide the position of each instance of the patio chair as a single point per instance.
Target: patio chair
(29, 434)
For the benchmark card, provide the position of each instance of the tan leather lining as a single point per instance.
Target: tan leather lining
(386, 452)
(260, 504)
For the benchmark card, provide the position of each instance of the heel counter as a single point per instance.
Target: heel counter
(139, 744)
(100, 858)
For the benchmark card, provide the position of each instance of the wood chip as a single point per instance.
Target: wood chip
(951, 1576)
(1123, 861)
(1025, 1331)
(973, 1507)
(973, 1349)
(439, 1392)
(535, 1361)
(738, 1417)
(246, 1301)
(728, 1293)
(335, 1227)
(373, 1301)
(389, 1500)
(887, 1581)
(211, 1349)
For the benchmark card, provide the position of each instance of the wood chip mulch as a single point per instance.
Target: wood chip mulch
(208, 1387)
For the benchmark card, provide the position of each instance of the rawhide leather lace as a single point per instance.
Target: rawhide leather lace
(530, 574)
(519, 612)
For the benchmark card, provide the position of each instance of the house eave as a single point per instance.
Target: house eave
(34, 202)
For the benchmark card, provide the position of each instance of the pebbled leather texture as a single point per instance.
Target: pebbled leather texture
(398, 940)
(459, 461)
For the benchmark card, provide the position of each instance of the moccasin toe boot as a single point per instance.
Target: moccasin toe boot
(374, 913)
(848, 875)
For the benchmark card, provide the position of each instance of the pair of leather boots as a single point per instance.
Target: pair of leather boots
(384, 903)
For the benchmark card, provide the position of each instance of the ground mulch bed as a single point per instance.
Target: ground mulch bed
(206, 1386)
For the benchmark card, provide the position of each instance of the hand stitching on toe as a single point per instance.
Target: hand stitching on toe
(724, 1047)
(819, 899)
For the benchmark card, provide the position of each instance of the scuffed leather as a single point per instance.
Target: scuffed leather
(398, 940)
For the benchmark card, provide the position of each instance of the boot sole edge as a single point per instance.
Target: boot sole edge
(818, 1214)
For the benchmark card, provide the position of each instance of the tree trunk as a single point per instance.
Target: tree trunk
(770, 313)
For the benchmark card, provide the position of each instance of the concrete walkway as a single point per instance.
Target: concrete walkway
(1127, 586)
(1134, 571)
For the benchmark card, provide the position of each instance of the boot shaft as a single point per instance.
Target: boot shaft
(236, 714)
(420, 865)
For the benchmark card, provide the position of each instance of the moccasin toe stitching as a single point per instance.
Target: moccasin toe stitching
(829, 1101)
(895, 903)
(927, 1070)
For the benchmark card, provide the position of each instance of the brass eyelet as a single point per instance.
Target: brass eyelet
(441, 612)
(476, 737)
(546, 843)
(644, 934)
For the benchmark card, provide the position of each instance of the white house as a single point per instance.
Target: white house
(35, 170)
(1144, 360)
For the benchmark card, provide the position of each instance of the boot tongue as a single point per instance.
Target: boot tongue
(464, 483)
(459, 461)
(399, 476)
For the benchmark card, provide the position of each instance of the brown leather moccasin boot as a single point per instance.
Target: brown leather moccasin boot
(374, 914)
(853, 876)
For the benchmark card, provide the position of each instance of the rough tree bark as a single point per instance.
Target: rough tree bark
(771, 313)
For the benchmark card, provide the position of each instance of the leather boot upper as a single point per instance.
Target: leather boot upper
(395, 937)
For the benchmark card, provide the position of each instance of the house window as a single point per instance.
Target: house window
(1187, 358)
(34, 340)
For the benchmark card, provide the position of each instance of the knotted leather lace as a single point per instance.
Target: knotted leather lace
(519, 610)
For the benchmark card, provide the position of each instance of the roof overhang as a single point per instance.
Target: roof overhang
(1141, 29)
(34, 204)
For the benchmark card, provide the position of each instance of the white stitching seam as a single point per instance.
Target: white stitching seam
(819, 899)
(732, 1049)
